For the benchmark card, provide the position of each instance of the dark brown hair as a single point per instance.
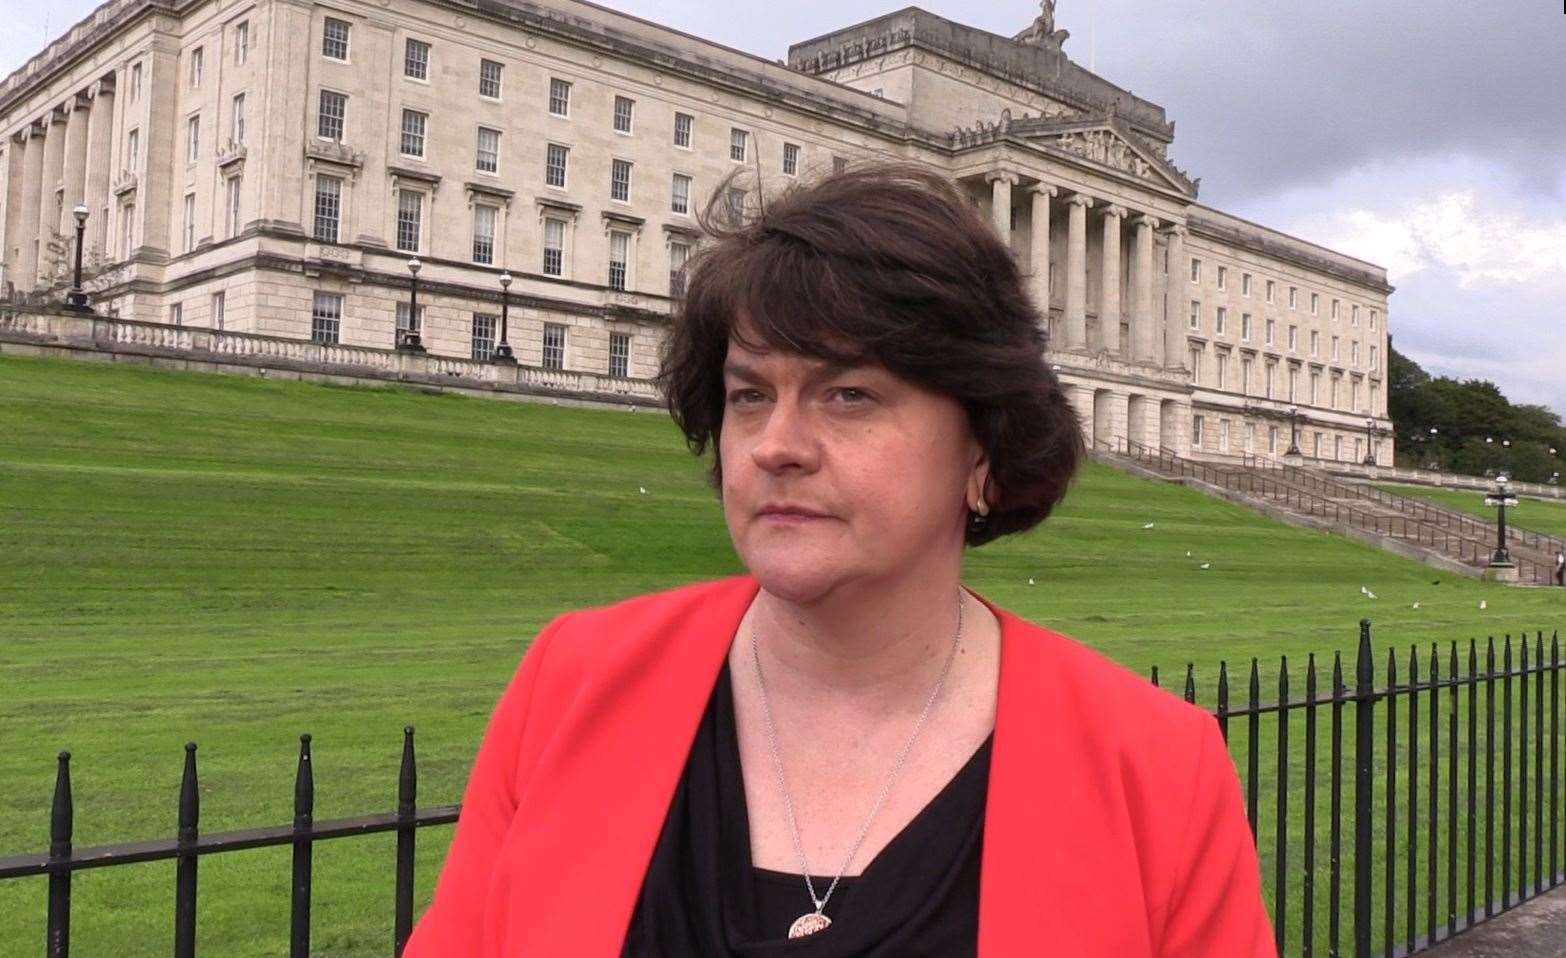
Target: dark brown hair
(886, 264)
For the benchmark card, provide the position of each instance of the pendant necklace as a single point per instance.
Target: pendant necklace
(814, 921)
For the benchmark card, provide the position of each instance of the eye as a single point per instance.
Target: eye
(854, 396)
(739, 396)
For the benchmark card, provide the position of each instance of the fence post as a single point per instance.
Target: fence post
(1364, 755)
(61, 816)
(185, 865)
(304, 820)
(407, 785)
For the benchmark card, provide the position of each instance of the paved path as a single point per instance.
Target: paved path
(1536, 929)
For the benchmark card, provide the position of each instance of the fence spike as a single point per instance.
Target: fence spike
(407, 775)
(189, 797)
(1223, 699)
(1155, 676)
(304, 786)
(62, 814)
(1190, 682)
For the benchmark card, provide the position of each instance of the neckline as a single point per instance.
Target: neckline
(937, 803)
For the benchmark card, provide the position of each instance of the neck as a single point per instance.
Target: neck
(880, 646)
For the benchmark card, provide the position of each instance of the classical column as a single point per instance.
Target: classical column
(15, 151)
(26, 272)
(1174, 310)
(1039, 248)
(1001, 183)
(1076, 271)
(75, 169)
(48, 202)
(1109, 300)
(100, 165)
(1144, 347)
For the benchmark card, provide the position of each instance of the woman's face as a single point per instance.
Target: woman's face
(890, 468)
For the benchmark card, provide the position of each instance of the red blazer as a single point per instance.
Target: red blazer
(1113, 825)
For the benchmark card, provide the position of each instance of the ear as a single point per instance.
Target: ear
(980, 486)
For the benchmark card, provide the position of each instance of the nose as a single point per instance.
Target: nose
(786, 440)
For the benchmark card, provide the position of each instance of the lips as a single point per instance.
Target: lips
(784, 510)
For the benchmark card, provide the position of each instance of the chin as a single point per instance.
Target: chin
(795, 576)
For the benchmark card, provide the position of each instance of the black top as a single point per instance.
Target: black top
(702, 896)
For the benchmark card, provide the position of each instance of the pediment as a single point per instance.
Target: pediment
(1104, 142)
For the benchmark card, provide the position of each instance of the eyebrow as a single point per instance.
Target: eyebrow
(821, 370)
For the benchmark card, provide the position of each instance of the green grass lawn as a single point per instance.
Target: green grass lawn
(236, 561)
(1539, 515)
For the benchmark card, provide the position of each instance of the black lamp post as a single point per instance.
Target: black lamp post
(1435, 457)
(1370, 442)
(1294, 432)
(503, 353)
(76, 299)
(411, 340)
(1500, 499)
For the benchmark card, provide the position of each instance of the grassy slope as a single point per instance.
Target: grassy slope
(236, 561)
(1537, 515)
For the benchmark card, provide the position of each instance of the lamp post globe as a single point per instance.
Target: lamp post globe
(76, 299)
(412, 340)
(503, 352)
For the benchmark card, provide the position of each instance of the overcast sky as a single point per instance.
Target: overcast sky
(1428, 136)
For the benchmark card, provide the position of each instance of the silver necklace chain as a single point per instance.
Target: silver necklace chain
(777, 762)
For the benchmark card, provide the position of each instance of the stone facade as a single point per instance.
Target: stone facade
(272, 166)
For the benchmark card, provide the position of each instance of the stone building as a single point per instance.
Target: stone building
(272, 166)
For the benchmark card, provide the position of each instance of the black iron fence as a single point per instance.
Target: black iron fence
(63, 859)
(1406, 867)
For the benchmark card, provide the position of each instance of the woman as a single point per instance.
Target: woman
(845, 752)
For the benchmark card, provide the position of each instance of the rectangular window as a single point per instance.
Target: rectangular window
(219, 305)
(484, 336)
(1196, 270)
(620, 180)
(132, 150)
(406, 321)
(1335, 351)
(554, 346)
(840, 163)
(1272, 440)
(1223, 435)
(192, 138)
(1294, 382)
(1245, 284)
(679, 254)
(1335, 313)
(1222, 317)
(622, 113)
(1196, 364)
(326, 317)
(484, 217)
(190, 222)
(1245, 375)
(619, 354)
(680, 195)
(413, 126)
(488, 158)
(682, 130)
(1373, 364)
(1294, 338)
(1196, 315)
(416, 60)
(1315, 387)
(1245, 327)
(237, 127)
(559, 97)
(490, 73)
(328, 207)
(1294, 297)
(619, 246)
(1353, 395)
(1196, 432)
(1315, 304)
(738, 139)
(790, 159)
(334, 39)
(734, 205)
(1223, 278)
(196, 58)
(1272, 374)
(233, 217)
(1271, 288)
(242, 42)
(1272, 329)
(554, 247)
(410, 218)
(176, 314)
(1372, 320)
(135, 82)
(1354, 314)
(127, 230)
(1354, 352)
(1223, 369)
(1315, 343)
(555, 166)
(331, 115)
